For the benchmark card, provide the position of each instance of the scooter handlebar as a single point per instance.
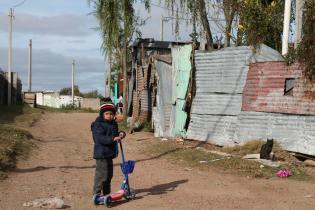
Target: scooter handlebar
(122, 134)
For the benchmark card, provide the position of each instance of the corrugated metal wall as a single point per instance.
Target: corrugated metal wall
(294, 132)
(181, 65)
(162, 111)
(216, 112)
(222, 71)
(220, 79)
(169, 115)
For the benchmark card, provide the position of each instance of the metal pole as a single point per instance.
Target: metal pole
(10, 56)
(162, 27)
(286, 26)
(109, 77)
(72, 92)
(298, 20)
(30, 67)
(116, 92)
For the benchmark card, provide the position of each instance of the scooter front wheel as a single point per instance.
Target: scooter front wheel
(130, 195)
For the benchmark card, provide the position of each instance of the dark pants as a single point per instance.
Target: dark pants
(103, 176)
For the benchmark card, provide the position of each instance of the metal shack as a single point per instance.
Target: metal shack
(158, 86)
(242, 95)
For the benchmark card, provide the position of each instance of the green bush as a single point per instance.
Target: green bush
(306, 48)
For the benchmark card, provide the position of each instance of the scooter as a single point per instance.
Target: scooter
(125, 190)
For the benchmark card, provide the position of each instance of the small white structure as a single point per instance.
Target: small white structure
(55, 100)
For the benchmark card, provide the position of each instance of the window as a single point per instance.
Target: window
(288, 87)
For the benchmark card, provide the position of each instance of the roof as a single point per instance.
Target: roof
(151, 43)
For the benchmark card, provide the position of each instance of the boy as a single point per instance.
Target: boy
(105, 137)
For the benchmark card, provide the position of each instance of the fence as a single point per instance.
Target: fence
(16, 90)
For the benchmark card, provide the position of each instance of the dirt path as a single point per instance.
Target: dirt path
(62, 166)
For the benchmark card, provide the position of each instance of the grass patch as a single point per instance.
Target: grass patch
(123, 126)
(137, 127)
(233, 165)
(299, 172)
(23, 116)
(250, 147)
(66, 109)
(14, 143)
(145, 126)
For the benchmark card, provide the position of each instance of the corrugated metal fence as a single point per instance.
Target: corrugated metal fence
(217, 114)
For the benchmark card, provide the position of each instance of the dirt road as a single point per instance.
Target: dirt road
(62, 165)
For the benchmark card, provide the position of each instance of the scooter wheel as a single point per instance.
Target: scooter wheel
(131, 195)
(108, 202)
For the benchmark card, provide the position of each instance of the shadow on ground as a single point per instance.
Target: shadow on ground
(43, 168)
(161, 188)
(154, 190)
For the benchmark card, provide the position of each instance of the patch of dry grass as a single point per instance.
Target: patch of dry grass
(67, 109)
(14, 143)
(22, 116)
(14, 139)
(250, 147)
(200, 158)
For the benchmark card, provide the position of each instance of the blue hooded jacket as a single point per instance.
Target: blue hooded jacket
(103, 132)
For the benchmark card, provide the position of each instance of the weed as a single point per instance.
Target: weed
(14, 143)
(234, 165)
(23, 116)
(66, 109)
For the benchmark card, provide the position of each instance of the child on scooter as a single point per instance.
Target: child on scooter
(105, 137)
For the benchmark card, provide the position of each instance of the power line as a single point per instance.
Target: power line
(19, 4)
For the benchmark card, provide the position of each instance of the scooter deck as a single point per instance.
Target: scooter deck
(110, 198)
(117, 195)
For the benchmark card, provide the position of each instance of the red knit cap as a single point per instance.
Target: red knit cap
(106, 108)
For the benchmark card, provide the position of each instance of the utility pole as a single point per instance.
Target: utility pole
(162, 27)
(72, 92)
(109, 78)
(298, 20)
(11, 15)
(30, 67)
(286, 26)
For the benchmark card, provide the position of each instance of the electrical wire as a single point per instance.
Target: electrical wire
(19, 4)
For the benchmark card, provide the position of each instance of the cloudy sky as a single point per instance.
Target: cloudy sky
(62, 30)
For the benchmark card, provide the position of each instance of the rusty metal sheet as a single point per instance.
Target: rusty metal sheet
(265, 89)
(220, 81)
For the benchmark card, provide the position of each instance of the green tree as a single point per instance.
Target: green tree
(306, 48)
(198, 11)
(91, 94)
(261, 21)
(117, 23)
(68, 91)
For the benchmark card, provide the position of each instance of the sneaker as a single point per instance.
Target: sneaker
(94, 199)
